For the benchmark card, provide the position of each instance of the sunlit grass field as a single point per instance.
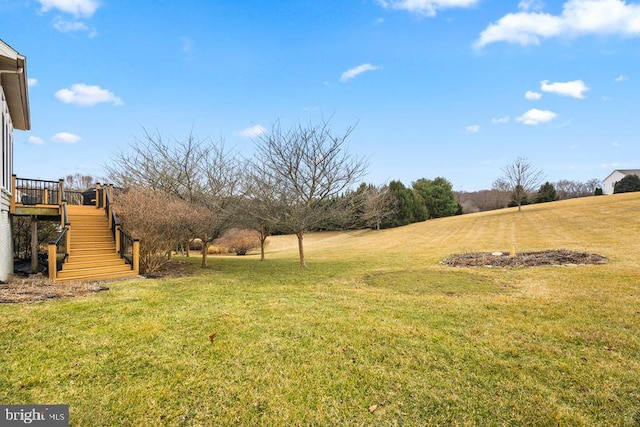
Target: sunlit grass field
(374, 332)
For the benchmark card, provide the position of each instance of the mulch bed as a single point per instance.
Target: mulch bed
(37, 288)
(524, 259)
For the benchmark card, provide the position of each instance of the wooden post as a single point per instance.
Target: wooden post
(34, 245)
(53, 257)
(14, 194)
(117, 239)
(136, 256)
(60, 190)
(104, 196)
(97, 189)
(45, 197)
(67, 241)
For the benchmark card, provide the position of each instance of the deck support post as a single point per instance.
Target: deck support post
(136, 256)
(53, 257)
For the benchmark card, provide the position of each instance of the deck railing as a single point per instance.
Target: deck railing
(127, 247)
(32, 192)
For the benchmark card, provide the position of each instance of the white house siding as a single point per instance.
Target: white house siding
(6, 249)
(609, 182)
(6, 169)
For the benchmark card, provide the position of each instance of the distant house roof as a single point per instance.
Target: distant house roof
(625, 172)
(13, 79)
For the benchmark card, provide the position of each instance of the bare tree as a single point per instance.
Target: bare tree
(198, 171)
(378, 204)
(520, 177)
(156, 218)
(306, 170)
(79, 182)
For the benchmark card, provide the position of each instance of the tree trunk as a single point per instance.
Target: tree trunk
(300, 236)
(205, 252)
(262, 240)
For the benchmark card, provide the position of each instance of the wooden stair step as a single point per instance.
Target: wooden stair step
(96, 276)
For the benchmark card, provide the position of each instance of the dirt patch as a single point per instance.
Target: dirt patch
(37, 288)
(524, 259)
(172, 268)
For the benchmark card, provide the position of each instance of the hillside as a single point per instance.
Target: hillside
(608, 225)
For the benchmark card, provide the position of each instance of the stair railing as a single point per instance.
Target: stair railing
(59, 249)
(126, 246)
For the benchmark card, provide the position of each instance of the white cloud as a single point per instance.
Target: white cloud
(35, 140)
(574, 89)
(426, 7)
(85, 95)
(32, 82)
(77, 8)
(531, 5)
(353, 72)
(535, 117)
(69, 26)
(621, 78)
(251, 132)
(473, 128)
(501, 120)
(65, 138)
(578, 18)
(532, 96)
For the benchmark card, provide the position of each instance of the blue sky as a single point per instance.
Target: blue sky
(453, 88)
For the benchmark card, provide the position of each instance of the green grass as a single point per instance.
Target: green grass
(374, 332)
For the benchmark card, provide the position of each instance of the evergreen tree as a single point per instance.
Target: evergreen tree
(546, 193)
(409, 206)
(438, 196)
(628, 184)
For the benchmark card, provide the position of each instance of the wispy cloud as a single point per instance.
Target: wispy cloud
(574, 89)
(533, 96)
(473, 128)
(356, 71)
(35, 140)
(578, 18)
(65, 138)
(31, 82)
(621, 78)
(87, 95)
(501, 120)
(426, 7)
(77, 8)
(535, 117)
(531, 5)
(251, 132)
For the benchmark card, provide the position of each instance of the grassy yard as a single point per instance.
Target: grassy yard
(374, 332)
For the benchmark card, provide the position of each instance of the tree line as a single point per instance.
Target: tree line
(299, 179)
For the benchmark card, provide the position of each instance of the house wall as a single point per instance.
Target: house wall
(610, 181)
(6, 170)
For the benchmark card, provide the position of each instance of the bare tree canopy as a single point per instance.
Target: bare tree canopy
(303, 172)
(198, 171)
(520, 177)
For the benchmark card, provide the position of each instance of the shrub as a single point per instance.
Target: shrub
(195, 245)
(239, 240)
(214, 250)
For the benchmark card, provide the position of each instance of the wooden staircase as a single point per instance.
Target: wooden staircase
(92, 251)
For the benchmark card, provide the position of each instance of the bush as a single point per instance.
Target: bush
(214, 250)
(239, 240)
(195, 245)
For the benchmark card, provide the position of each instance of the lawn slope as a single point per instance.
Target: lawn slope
(374, 332)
